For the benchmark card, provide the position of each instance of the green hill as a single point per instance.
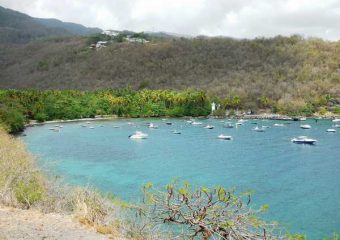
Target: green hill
(281, 69)
(16, 27)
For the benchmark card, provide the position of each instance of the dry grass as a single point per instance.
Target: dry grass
(22, 185)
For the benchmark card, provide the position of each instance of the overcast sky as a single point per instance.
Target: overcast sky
(234, 18)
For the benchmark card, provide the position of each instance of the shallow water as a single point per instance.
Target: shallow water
(301, 183)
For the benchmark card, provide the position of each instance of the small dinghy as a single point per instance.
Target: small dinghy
(176, 132)
(305, 126)
(209, 127)
(224, 137)
(331, 130)
(228, 125)
(138, 135)
(151, 125)
(303, 140)
(259, 129)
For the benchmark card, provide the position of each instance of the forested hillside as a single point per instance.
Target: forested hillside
(288, 71)
(16, 27)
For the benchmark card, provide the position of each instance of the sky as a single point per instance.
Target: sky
(232, 18)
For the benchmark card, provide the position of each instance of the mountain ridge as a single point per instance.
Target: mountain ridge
(17, 27)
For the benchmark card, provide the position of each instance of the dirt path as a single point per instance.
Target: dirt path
(32, 224)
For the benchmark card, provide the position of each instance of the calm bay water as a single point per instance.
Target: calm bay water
(301, 183)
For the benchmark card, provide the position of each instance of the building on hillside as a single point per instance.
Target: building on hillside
(110, 33)
(136, 40)
(101, 44)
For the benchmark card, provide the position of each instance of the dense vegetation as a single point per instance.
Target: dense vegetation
(286, 72)
(18, 106)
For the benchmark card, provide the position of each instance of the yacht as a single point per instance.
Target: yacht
(228, 125)
(303, 140)
(305, 126)
(224, 137)
(259, 129)
(151, 125)
(331, 130)
(196, 123)
(138, 135)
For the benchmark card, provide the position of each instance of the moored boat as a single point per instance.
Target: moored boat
(138, 135)
(209, 127)
(151, 125)
(176, 132)
(303, 140)
(228, 125)
(331, 130)
(259, 129)
(224, 137)
(305, 126)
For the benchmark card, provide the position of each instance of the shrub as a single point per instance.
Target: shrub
(29, 192)
(41, 117)
(13, 119)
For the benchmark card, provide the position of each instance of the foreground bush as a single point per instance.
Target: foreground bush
(204, 213)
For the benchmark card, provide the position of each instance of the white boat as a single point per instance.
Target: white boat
(336, 120)
(278, 125)
(116, 126)
(305, 126)
(52, 129)
(196, 123)
(91, 127)
(337, 126)
(151, 125)
(224, 137)
(61, 126)
(209, 127)
(259, 129)
(303, 140)
(176, 132)
(242, 121)
(228, 125)
(331, 130)
(303, 119)
(83, 125)
(138, 135)
(189, 121)
(238, 123)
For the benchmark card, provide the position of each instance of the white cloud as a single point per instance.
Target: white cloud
(234, 18)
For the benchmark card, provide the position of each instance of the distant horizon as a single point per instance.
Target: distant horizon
(235, 19)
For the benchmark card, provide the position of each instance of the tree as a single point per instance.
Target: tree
(215, 213)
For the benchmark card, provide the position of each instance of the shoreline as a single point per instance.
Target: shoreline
(33, 123)
(264, 116)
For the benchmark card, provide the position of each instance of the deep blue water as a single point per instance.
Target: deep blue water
(301, 183)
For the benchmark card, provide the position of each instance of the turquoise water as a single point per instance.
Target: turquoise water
(301, 183)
